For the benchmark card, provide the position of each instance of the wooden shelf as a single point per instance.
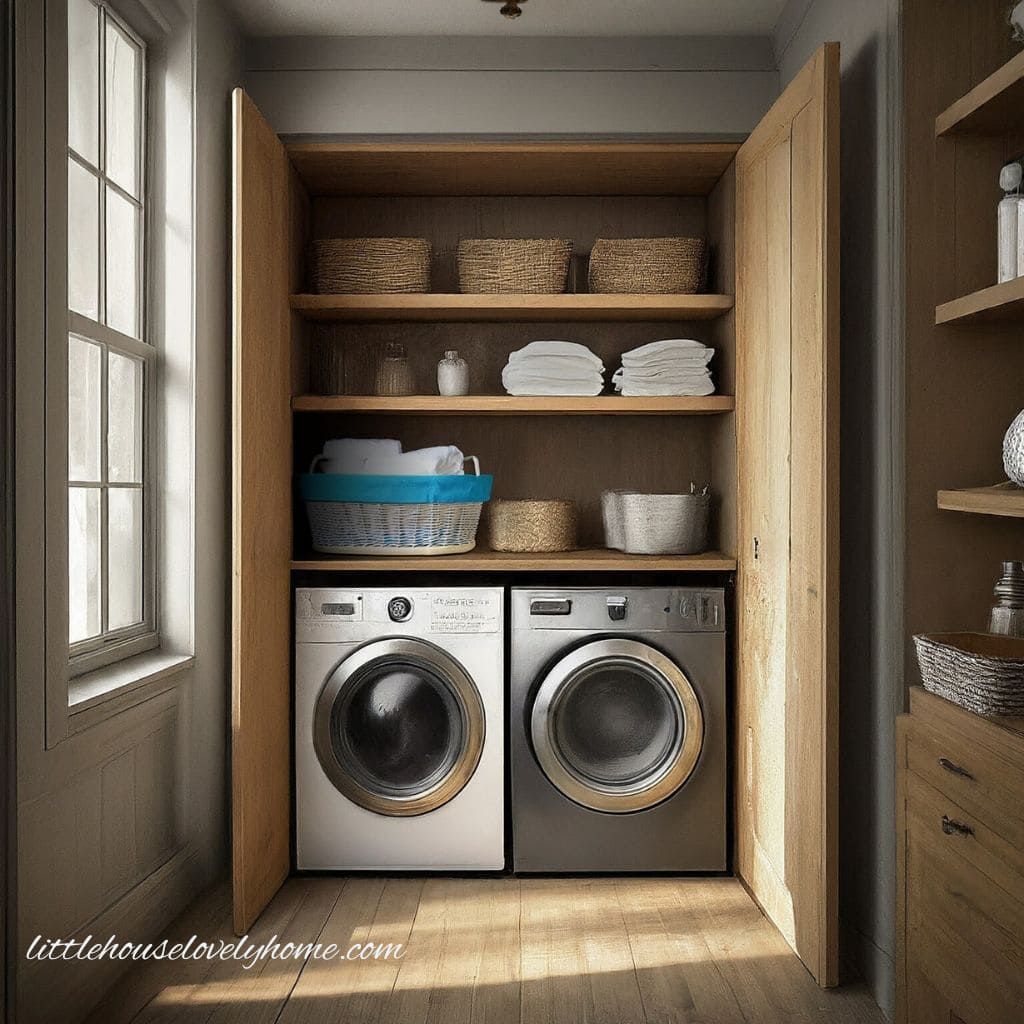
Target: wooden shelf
(1001, 302)
(531, 308)
(598, 560)
(507, 405)
(511, 168)
(993, 107)
(1002, 500)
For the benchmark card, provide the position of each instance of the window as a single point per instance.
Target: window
(111, 364)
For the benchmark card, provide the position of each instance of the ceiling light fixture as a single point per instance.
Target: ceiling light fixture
(511, 9)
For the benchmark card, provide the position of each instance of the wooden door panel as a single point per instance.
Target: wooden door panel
(261, 515)
(787, 417)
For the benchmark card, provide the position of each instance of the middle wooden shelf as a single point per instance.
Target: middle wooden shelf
(440, 307)
(509, 405)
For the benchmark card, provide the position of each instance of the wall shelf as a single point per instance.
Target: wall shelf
(998, 303)
(508, 405)
(994, 106)
(596, 559)
(1002, 500)
(528, 308)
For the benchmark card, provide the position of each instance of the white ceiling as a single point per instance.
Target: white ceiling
(476, 18)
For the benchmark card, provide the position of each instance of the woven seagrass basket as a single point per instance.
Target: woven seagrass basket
(983, 672)
(367, 266)
(532, 525)
(648, 266)
(494, 266)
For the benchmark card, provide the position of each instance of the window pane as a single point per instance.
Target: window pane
(83, 241)
(84, 586)
(124, 562)
(122, 264)
(83, 79)
(122, 96)
(85, 423)
(124, 419)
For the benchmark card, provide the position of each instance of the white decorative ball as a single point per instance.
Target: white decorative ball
(1013, 451)
(1016, 20)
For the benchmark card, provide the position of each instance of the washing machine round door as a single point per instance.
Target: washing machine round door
(616, 726)
(399, 727)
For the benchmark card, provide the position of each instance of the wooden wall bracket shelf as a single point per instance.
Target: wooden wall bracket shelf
(997, 303)
(1002, 500)
(992, 107)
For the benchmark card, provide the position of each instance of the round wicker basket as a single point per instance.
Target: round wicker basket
(532, 525)
(648, 266)
(367, 266)
(492, 266)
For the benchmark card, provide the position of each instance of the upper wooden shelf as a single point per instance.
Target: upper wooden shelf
(1000, 302)
(508, 405)
(1002, 500)
(993, 107)
(489, 308)
(596, 559)
(511, 168)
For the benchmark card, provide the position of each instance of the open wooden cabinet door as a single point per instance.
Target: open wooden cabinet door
(261, 515)
(787, 308)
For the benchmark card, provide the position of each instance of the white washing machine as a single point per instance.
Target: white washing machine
(399, 734)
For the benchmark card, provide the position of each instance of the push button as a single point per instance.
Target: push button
(617, 608)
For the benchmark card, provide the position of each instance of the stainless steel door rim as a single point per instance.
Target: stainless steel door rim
(675, 768)
(441, 667)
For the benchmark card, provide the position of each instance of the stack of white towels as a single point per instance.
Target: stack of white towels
(386, 458)
(553, 368)
(677, 366)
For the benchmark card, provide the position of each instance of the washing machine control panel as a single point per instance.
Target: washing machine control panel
(675, 610)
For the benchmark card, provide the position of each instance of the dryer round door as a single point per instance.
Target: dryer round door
(399, 727)
(616, 726)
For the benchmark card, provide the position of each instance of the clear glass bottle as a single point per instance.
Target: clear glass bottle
(452, 374)
(1008, 611)
(394, 374)
(1009, 216)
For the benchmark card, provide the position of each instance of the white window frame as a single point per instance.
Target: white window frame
(76, 702)
(111, 646)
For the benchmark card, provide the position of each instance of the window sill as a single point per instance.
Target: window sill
(106, 691)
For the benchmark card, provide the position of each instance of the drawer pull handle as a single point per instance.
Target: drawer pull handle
(954, 769)
(955, 828)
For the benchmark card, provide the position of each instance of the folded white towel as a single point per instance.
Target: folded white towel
(655, 350)
(445, 460)
(360, 447)
(546, 387)
(646, 373)
(569, 349)
(636, 389)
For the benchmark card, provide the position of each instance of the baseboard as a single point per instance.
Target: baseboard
(68, 990)
(864, 959)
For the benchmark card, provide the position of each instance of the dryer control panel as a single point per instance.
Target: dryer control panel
(640, 609)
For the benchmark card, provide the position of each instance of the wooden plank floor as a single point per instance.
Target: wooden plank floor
(496, 951)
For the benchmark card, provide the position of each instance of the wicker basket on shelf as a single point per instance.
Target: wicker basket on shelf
(983, 672)
(532, 525)
(512, 266)
(370, 266)
(648, 266)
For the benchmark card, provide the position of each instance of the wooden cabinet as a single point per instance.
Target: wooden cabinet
(960, 915)
(766, 443)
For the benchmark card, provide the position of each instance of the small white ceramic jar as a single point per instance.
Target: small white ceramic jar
(452, 374)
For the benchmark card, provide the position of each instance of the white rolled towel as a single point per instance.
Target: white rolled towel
(360, 447)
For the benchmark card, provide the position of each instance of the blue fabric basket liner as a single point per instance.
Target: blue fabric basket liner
(394, 490)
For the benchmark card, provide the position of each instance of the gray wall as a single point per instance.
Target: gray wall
(494, 86)
(871, 516)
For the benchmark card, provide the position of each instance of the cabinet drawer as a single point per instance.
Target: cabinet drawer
(965, 928)
(975, 777)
